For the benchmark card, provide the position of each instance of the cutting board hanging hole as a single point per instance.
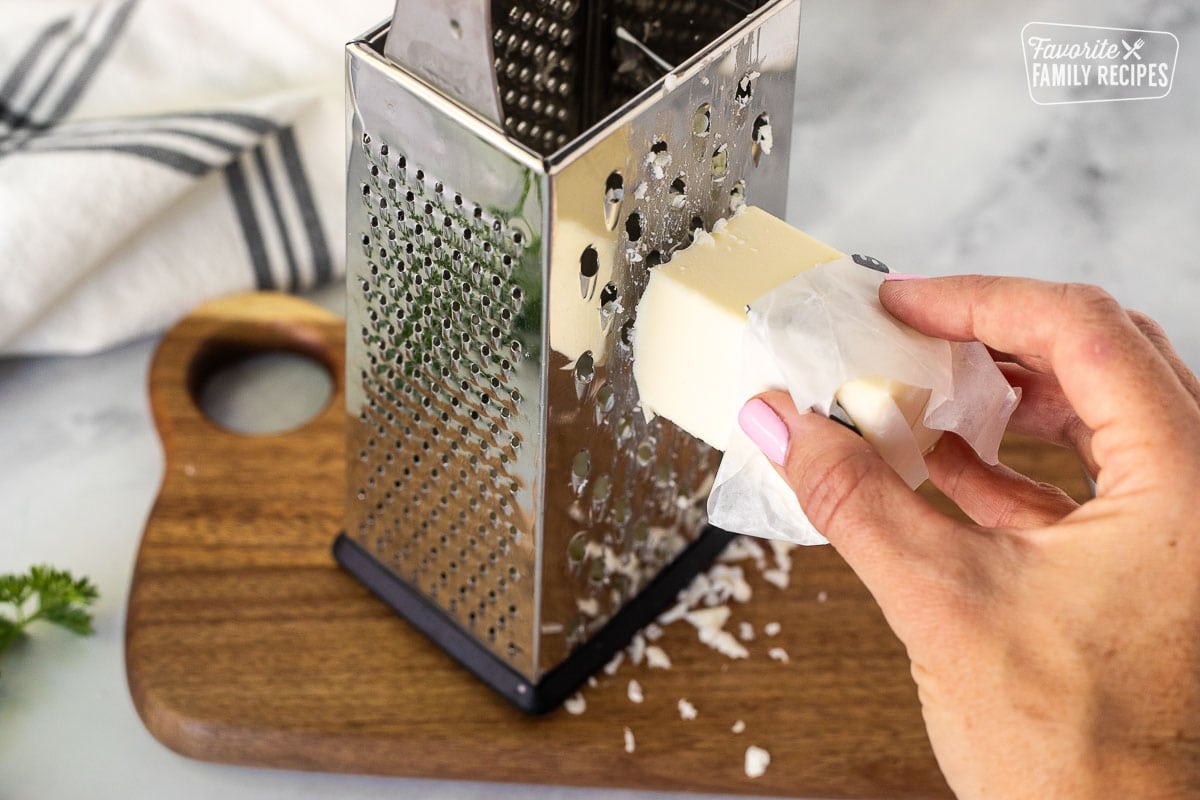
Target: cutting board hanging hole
(262, 393)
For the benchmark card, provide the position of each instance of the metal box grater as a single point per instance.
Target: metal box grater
(507, 494)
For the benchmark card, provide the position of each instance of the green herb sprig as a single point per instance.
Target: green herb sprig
(47, 594)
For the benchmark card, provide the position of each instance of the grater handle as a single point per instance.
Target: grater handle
(448, 43)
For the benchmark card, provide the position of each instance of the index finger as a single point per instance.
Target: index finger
(1114, 378)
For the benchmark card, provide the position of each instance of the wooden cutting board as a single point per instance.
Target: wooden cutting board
(246, 644)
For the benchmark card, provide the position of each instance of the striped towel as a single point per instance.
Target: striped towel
(158, 153)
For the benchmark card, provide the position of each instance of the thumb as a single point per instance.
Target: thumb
(847, 491)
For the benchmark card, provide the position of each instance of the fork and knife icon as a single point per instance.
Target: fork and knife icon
(1132, 50)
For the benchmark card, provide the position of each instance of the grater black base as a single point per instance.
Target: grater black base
(558, 684)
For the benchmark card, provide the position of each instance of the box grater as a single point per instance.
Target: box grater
(515, 171)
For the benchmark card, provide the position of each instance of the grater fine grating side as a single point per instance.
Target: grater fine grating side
(507, 492)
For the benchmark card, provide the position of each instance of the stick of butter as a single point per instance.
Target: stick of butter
(690, 322)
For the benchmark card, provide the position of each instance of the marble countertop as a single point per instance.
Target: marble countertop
(916, 141)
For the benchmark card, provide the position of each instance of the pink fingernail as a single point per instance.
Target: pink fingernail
(903, 276)
(765, 429)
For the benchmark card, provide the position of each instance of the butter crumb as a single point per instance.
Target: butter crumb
(714, 617)
(725, 643)
(776, 577)
(656, 658)
(629, 742)
(687, 711)
(757, 760)
(743, 547)
(783, 554)
(637, 649)
(635, 692)
(588, 606)
(575, 704)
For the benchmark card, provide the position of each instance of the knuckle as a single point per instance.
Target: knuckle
(832, 483)
(1046, 504)
(1089, 325)
(1087, 300)
(1149, 327)
(1141, 319)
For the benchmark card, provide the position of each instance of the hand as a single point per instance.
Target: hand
(1055, 646)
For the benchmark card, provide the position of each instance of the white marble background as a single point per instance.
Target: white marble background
(916, 142)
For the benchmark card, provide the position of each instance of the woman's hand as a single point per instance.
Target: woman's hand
(1056, 647)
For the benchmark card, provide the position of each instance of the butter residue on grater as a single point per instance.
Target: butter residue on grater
(507, 493)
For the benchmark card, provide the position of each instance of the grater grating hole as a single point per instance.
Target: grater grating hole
(581, 467)
(678, 192)
(737, 197)
(622, 512)
(585, 371)
(589, 268)
(633, 226)
(745, 90)
(761, 137)
(658, 159)
(609, 296)
(645, 452)
(601, 489)
(606, 399)
(720, 163)
(614, 193)
(761, 129)
(577, 547)
(626, 337)
(702, 121)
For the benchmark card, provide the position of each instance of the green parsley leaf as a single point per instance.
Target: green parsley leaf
(44, 593)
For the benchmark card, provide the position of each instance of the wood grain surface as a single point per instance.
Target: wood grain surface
(246, 644)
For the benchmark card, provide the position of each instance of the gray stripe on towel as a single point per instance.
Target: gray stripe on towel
(23, 69)
(322, 262)
(264, 172)
(235, 177)
(92, 65)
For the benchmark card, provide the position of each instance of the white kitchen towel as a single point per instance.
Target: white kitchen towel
(158, 153)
